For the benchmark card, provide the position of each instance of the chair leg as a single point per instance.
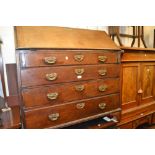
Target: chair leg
(119, 40)
(133, 42)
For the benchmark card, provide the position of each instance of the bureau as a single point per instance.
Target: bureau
(67, 86)
(138, 87)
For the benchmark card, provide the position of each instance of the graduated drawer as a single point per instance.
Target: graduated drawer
(71, 57)
(62, 93)
(51, 75)
(68, 113)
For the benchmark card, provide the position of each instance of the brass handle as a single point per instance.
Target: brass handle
(79, 71)
(79, 57)
(102, 105)
(79, 87)
(102, 88)
(80, 105)
(102, 72)
(50, 60)
(54, 117)
(51, 77)
(52, 96)
(102, 58)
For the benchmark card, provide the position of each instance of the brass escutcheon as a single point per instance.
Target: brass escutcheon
(80, 105)
(79, 71)
(79, 87)
(102, 58)
(79, 57)
(51, 76)
(50, 60)
(102, 105)
(52, 96)
(102, 88)
(54, 116)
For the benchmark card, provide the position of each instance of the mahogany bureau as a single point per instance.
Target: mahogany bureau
(62, 87)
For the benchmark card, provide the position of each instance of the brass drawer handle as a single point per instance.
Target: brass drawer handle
(79, 71)
(80, 105)
(102, 58)
(79, 87)
(54, 117)
(52, 96)
(79, 57)
(102, 72)
(102, 88)
(50, 60)
(102, 106)
(51, 77)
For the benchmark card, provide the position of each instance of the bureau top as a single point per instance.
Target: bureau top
(61, 38)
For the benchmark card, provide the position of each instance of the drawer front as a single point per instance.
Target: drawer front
(54, 58)
(54, 116)
(141, 121)
(51, 75)
(138, 56)
(126, 126)
(61, 93)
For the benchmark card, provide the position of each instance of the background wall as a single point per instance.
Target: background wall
(8, 46)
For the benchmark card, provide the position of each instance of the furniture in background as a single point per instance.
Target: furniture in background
(2, 83)
(154, 40)
(69, 79)
(2, 87)
(138, 87)
(114, 31)
(137, 33)
(9, 116)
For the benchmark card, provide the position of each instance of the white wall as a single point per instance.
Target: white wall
(7, 47)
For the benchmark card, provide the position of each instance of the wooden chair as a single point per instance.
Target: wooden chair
(137, 33)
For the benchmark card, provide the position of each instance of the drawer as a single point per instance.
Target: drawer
(98, 123)
(61, 93)
(51, 75)
(126, 126)
(138, 56)
(64, 57)
(141, 121)
(59, 115)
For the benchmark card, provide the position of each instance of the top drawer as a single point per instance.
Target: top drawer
(38, 58)
(138, 56)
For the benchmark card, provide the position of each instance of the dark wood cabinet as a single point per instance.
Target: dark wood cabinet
(63, 87)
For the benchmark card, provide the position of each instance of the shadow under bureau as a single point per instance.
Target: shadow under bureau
(63, 88)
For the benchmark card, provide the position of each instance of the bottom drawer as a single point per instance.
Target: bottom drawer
(99, 123)
(70, 113)
(141, 121)
(126, 126)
